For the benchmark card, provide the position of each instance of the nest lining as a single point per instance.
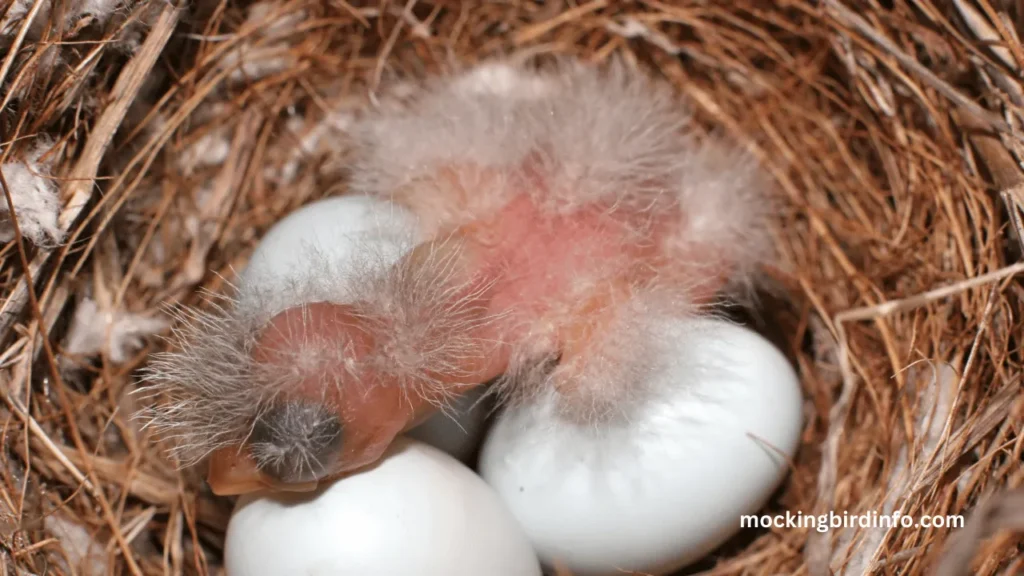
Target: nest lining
(176, 136)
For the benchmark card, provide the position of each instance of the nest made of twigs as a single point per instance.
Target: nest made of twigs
(146, 146)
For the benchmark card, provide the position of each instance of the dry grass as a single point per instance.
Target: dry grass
(894, 130)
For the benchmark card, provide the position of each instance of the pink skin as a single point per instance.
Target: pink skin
(532, 258)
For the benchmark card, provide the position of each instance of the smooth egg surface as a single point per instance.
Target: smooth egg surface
(329, 238)
(666, 483)
(418, 512)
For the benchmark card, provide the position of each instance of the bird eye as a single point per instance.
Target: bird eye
(296, 441)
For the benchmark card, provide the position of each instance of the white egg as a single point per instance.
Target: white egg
(341, 230)
(661, 490)
(419, 511)
(338, 229)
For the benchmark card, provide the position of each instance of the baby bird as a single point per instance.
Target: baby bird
(561, 210)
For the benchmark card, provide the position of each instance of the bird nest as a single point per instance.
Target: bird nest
(145, 147)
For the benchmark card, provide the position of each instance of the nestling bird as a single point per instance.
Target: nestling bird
(561, 210)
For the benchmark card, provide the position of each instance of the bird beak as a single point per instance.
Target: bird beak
(233, 472)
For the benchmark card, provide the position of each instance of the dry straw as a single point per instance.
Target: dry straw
(176, 135)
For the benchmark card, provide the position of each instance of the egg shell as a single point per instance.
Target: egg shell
(342, 230)
(419, 511)
(662, 488)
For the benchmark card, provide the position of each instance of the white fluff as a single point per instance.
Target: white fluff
(934, 390)
(17, 12)
(100, 10)
(502, 79)
(211, 149)
(35, 196)
(262, 54)
(85, 555)
(601, 134)
(330, 131)
(593, 136)
(116, 334)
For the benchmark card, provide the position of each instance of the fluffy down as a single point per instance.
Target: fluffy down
(581, 137)
(100, 10)
(115, 333)
(688, 228)
(34, 193)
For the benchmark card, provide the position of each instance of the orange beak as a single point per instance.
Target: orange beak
(233, 472)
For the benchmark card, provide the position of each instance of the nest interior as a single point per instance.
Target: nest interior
(146, 146)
